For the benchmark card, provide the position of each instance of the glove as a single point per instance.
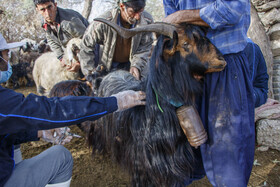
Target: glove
(129, 98)
(57, 136)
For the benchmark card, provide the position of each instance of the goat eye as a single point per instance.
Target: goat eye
(186, 46)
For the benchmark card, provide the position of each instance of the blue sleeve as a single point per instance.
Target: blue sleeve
(169, 7)
(222, 13)
(18, 113)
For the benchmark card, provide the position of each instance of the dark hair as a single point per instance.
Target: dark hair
(37, 2)
(136, 5)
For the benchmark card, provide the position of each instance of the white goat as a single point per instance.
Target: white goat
(48, 71)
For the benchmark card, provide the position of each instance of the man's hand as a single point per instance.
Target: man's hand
(55, 136)
(185, 16)
(74, 67)
(129, 98)
(135, 72)
(62, 62)
(172, 18)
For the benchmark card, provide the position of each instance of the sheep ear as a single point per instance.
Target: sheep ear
(75, 49)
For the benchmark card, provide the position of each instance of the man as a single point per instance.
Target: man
(27, 119)
(118, 53)
(258, 69)
(227, 105)
(61, 25)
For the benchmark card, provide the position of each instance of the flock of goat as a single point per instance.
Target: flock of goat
(22, 61)
(146, 140)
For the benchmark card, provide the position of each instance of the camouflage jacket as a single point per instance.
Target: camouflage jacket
(100, 33)
(71, 24)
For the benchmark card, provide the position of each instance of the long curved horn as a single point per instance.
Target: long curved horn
(158, 27)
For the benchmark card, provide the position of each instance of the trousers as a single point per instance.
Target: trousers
(52, 166)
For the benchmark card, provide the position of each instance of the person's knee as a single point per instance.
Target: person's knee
(61, 152)
(65, 161)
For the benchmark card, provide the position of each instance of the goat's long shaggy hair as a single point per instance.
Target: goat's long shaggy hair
(148, 140)
(71, 87)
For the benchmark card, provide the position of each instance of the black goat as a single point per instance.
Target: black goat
(73, 88)
(148, 140)
(22, 76)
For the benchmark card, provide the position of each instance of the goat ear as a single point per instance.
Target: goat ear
(169, 45)
(169, 48)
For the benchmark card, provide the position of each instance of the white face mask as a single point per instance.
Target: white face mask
(5, 75)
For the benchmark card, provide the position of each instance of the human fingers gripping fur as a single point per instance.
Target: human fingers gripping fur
(129, 98)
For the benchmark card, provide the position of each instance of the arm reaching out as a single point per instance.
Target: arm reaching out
(129, 98)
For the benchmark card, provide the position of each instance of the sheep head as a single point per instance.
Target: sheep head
(73, 49)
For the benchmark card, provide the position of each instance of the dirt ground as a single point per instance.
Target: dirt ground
(101, 172)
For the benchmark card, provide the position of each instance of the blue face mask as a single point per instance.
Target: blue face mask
(5, 75)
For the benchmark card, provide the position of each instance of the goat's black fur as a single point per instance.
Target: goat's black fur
(22, 75)
(148, 142)
(73, 88)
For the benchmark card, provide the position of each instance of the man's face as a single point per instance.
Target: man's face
(48, 11)
(129, 15)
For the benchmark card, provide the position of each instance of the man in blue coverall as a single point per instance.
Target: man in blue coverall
(21, 118)
(227, 104)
